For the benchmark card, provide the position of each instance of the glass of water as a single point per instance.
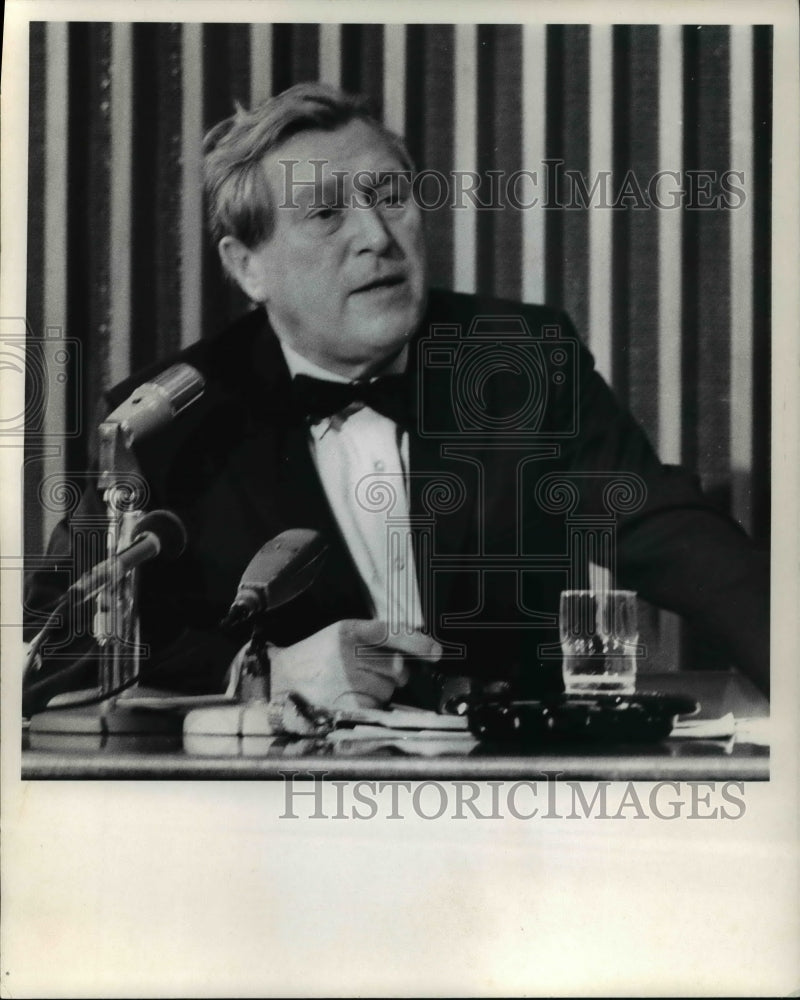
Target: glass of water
(599, 639)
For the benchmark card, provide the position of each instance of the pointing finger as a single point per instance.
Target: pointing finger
(413, 643)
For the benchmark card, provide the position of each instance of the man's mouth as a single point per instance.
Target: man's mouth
(378, 284)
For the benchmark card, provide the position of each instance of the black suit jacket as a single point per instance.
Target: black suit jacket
(518, 454)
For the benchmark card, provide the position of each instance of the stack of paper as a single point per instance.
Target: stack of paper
(727, 727)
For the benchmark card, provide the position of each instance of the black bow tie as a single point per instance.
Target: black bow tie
(389, 395)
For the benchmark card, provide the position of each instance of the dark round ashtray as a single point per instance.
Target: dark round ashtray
(619, 718)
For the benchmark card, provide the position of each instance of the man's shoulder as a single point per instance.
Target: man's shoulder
(229, 359)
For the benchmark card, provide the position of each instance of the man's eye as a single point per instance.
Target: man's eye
(329, 216)
(391, 200)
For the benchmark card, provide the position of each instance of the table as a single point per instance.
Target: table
(164, 756)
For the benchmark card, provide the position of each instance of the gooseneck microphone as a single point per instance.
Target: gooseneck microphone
(155, 403)
(280, 571)
(158, 534)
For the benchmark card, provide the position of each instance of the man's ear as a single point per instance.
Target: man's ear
(243, 265)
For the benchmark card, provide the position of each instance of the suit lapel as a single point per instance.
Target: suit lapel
(280, 481)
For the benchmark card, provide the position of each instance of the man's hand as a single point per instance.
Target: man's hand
(330, 670)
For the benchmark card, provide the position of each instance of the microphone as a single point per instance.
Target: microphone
(159, 533)
(280, 571)
(156, 402)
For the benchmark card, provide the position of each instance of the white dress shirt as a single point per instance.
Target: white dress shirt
(362, 460)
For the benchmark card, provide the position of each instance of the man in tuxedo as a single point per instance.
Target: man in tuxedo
(459, 454)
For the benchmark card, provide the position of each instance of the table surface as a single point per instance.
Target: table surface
(116, 756)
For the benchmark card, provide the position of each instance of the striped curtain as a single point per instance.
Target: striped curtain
(674, 302)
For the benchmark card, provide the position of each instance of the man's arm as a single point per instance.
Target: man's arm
(677, 549)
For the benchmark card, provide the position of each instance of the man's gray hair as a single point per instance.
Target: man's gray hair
(237, 191)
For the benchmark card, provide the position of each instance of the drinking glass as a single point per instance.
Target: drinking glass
(599, 639)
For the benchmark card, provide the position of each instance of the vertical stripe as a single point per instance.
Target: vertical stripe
(625, 186)
(670, 159)
(260, 63)
(36, 410)
(330, 55)
(84, 238)
(690, 254)
(741, 220)
(239, 48)
(99, 220)
(281, 57)
(706, 276)
(295, 55)
(465, 155)
(170, 177)
(534, 67)
(575, 110)
(567, 273)
(226, 70)
(636, 276)
(600, 217)
(121, 169)
(600, 579)
(192, 228)
(55, 226)
(416, 93)
(505, 157)
(55, 241)
(394, 77)
(371, 61)
(306, 53)
(670, 240)
(488, 135)
(226, 80)
(351, 39)
(144, 193)
(713, 275)
(554, 147)
(157, 183)
(430, 139)
(762, 276)
(38, 143)
(690, 258)
(600, 227)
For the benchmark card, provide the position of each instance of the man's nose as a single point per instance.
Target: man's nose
(372, 232)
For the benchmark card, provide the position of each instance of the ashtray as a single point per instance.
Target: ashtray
(619, 718)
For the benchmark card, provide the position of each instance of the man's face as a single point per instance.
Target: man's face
(343, 273)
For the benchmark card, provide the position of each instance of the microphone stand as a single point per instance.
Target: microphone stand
(248, 713)
(116, 621)
(253, 682)
(281, 570)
